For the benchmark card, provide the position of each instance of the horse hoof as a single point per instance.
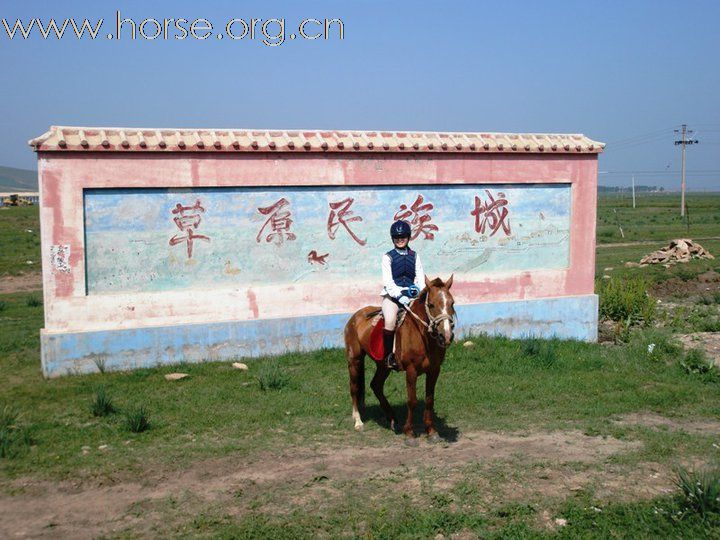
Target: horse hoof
(393, 426)
(433, 437)
(411, 441)
(359, 427)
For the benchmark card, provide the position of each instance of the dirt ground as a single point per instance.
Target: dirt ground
(706, 284)
(21, 283)
(540, 465)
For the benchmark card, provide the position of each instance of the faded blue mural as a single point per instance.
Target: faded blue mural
(171, 239)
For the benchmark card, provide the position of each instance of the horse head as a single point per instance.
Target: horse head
(440, 310)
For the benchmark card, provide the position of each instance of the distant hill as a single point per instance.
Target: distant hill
(18, 179)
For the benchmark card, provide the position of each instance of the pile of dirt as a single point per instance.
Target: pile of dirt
(680, 250)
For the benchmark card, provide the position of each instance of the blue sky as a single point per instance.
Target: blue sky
(623, 72)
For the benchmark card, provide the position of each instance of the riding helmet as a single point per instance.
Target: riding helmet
(400, 229)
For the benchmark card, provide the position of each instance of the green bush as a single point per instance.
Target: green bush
(700, 490)
(136, 419)
(272, 376)
(626, 300)
(102, 405)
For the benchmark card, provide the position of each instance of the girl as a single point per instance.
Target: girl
(403, 278)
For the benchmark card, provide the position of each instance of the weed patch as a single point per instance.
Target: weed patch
(272, 376)
(700, 490)
(697, 363)
(626, 300)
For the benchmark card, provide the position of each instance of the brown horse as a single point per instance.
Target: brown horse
(420, 347)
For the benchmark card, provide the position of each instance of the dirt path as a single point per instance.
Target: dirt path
(21, 283)
(309, 478)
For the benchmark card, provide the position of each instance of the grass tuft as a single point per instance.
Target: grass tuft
(13, 436)
(102, 405)
(136, 419)
(272, 376)
(700, 490)
(33, 301)
(540, 351)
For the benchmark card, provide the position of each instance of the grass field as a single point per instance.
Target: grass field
(551, 438)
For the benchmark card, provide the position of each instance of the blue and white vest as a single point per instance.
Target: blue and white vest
(402, 266)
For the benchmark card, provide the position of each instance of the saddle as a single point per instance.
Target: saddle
(377, 347)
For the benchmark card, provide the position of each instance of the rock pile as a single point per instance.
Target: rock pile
(680, 250)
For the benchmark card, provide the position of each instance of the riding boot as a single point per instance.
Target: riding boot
(388, 340)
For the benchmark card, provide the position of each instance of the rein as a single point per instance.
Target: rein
(433, 323)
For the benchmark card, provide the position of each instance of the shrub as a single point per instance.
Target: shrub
(102, 405)
(700, 490)
(272, 376)
(626, 300)
(136, 419)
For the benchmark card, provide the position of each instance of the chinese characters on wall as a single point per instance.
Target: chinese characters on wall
(490, 214)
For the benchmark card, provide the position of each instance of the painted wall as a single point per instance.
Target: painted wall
(92, 203)
(140, 240)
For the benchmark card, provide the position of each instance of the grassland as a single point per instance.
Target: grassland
(561, 439)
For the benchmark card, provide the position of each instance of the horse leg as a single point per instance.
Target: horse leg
(356, 367)
(410, 383)
(428, 416)
(377, 384)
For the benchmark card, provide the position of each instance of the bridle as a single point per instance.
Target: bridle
(433, 322)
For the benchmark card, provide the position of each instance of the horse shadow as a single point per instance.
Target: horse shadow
(447, 433)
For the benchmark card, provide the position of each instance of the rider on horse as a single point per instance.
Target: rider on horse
(403, 278)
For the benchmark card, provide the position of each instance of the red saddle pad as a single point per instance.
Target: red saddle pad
(377, 349)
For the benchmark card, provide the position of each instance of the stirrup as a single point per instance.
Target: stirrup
(391, 362)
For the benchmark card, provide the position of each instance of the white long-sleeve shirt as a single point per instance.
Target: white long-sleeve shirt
(389, 286)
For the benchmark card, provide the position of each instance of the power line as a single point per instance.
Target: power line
(641, 136)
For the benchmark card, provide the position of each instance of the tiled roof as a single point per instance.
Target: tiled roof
(94, 139)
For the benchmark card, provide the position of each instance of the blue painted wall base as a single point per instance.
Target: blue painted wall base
(570, 317)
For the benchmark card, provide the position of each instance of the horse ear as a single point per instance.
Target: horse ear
(448, 283)
(427, 282)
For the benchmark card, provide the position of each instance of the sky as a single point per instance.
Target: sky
(622, 72)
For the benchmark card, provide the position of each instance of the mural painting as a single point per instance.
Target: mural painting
(174, 239)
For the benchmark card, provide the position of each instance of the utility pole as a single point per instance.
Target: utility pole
(684, 142)
(633, 188)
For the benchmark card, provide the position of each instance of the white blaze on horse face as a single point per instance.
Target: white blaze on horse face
(446, 327)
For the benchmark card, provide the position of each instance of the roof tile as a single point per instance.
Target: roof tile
(94, 139)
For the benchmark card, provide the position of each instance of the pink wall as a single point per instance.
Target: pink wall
(64, 176)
